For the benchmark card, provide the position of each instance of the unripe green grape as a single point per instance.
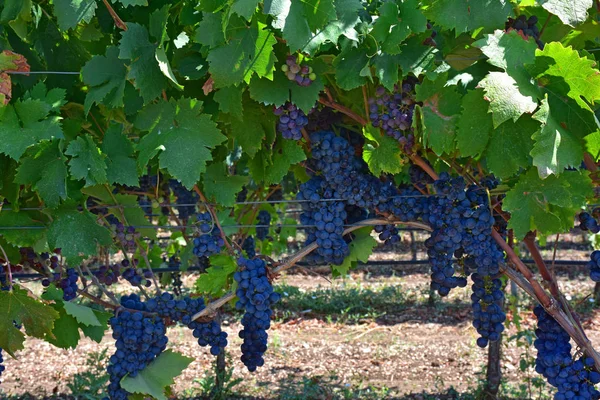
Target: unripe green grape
(285, 68)
(312, 76)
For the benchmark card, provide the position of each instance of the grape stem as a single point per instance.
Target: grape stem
(8, 268)
(118, 21)
(343, 110)
(213, 306)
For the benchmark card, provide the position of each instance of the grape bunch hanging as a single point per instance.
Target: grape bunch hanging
(291, 121)
(303, 75)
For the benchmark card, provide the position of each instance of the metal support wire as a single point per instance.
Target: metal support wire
(368, 263)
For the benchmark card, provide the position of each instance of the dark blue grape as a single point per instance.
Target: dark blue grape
(593, 266)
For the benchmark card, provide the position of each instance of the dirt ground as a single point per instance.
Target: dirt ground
(418, 348)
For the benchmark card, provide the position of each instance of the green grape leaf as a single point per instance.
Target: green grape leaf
(220, 186)
(65, 333)
(506, 102)
(592, 144)
(415, 57)
(465, 15)
(107, 76)
(210, 30)
(144, 70)
(249, 52)
(87, 161)
(77, 234)
(396, 23)
(127, 3)
(96, 333)
(69, 13)
(440, 110)
(386, 69)
(383, 158)
(573, 12)
(546, 205)
(361, 248)
(349, 65)
(55, 98)
(474, 125)
(46, 170)
(347, 19)
(318, 13)
(84, 315)
(184, 141)
(121, 167)
(562, 71)
(275, 92)
(306, 97)
(511, 52)
(21, 237)
(26, 123)
(158, 24)
(214, 281)
(250, 131)
(18, 14)
(285, 154)
(230, 100)
(9, 189)
(289, 17)
(158, 375)
(244, 8)
(165, 67)
(556, 147)
(509, 146)
(19, 305)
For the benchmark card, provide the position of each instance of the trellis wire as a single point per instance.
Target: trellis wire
(368, 263)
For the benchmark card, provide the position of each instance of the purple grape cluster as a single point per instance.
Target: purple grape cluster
(488, 317)
(249, 246)
(388, 233)
(256, 296)
(108, 274)
(264, 221)
(134, 276)
(207, 333)
(526, 26)
(303, 75)
(593, 266)
(574, 379)
(587, 222)
(419, 177)
(210, 241)
(430, 40)
(322, 119)
(68, 283)
(125, 236)
(291, 121)
(139, 339)
(393, 112)
(187, 198)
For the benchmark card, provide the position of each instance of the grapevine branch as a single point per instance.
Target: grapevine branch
(213, 306)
